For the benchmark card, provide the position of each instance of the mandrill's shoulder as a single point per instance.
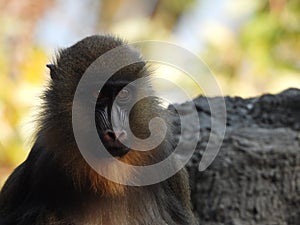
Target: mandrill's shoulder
(16, 188)
(28, 187)
(14, 194)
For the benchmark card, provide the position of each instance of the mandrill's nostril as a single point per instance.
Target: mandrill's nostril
(111, 136)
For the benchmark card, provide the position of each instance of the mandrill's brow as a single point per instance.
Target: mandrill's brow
(116, 84)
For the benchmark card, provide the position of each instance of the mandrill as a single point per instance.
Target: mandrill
(57, 185)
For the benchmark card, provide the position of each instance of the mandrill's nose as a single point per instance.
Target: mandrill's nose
(113, 142)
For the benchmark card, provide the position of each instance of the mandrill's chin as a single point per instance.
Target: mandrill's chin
(117, 151)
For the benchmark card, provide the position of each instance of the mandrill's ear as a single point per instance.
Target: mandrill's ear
(53, 71)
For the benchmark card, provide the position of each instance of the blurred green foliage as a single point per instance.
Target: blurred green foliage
(273, 38)
(263, 54)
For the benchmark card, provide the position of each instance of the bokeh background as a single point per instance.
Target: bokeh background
(252, 47)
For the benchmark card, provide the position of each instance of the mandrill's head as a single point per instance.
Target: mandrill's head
(121, 112)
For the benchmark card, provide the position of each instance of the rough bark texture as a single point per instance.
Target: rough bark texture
(255, 178)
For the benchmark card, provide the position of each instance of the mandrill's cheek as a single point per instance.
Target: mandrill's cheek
(119, 119)
(101, 119)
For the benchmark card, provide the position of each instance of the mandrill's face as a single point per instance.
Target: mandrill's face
(112, 112)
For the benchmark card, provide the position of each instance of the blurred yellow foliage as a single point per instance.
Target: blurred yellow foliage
(18, 95)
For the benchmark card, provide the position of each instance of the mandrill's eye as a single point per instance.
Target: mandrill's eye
(124, 96)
